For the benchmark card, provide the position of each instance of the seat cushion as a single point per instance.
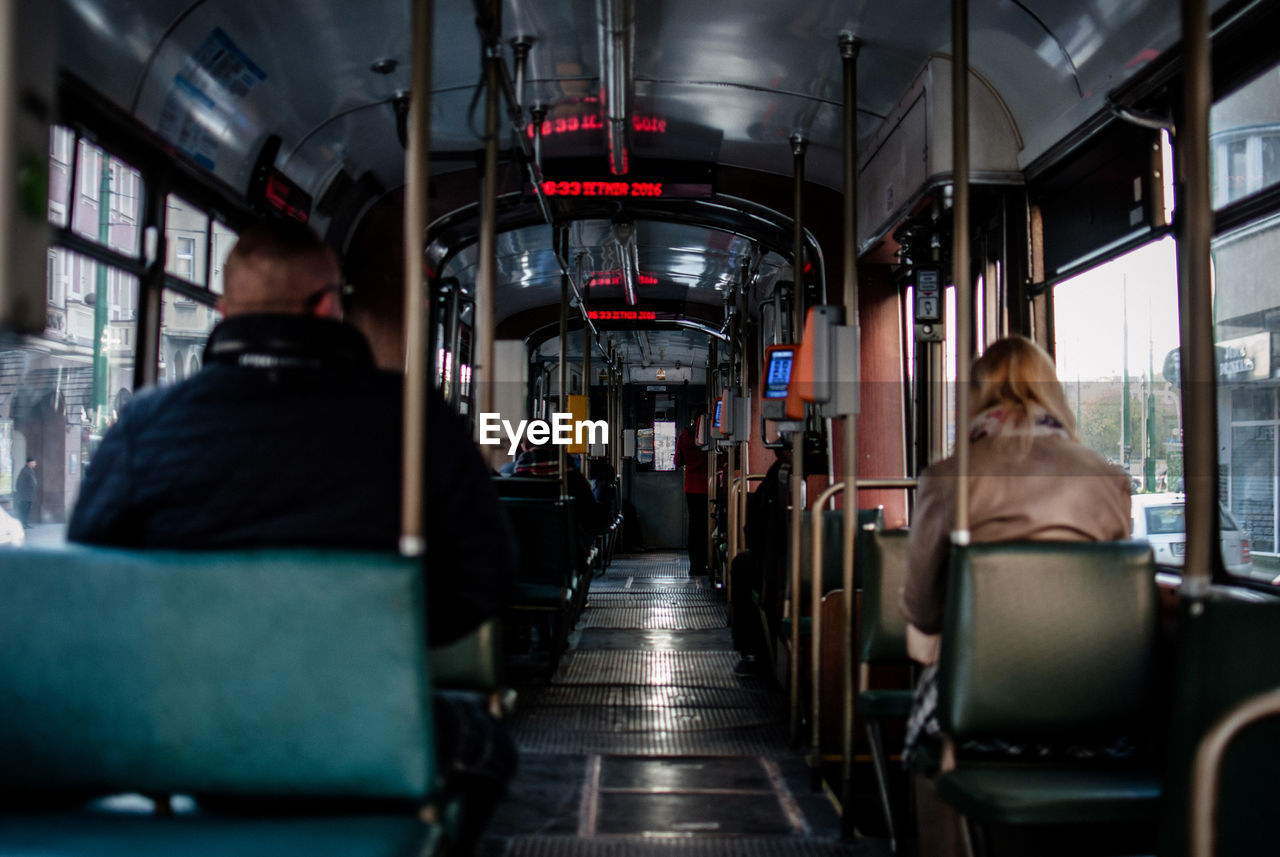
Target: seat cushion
(76, 834)
(539, 595)
(806, 626)
(1037, 795)
(885, 703)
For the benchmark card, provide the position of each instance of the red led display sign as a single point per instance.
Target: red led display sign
(621, 315)
(646, 189)
(590, 188)
(614, 278)
(593, 122)
(286, 197)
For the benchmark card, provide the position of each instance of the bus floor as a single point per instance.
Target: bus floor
(646, 742)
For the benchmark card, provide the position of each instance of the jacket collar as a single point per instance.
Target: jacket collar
(273, 341)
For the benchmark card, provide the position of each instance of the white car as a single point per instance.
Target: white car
(1161, 520)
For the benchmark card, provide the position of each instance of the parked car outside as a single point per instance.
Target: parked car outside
(11, 532)
(1160, 519)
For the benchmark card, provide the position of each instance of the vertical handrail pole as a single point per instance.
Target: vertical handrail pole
(484, 353)
(960, 256)
(849, 48)
(563, 393)
(1195, 214)
(744, 455)
(798, 145)
(816, 525)
(731, 495)
(417, 162)
(586, 339)
(455, 343)
(713, 363)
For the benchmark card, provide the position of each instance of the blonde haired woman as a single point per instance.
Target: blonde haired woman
(1030, 478)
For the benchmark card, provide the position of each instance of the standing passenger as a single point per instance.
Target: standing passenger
(290, 436)
(694, 462)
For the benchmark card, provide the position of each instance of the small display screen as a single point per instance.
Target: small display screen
(778, 373)
(716, 420)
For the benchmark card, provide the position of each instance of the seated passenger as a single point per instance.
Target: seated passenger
(509, 468)
(603, 485)
(544, 460)
(290, 436)
(758, 569)
(1030, 478)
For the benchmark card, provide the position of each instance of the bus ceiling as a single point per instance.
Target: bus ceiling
(219, 78)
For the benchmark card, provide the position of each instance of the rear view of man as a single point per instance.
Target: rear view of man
(24, 493)
(290, 436)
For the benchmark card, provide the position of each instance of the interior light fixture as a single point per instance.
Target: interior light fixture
(624, 236)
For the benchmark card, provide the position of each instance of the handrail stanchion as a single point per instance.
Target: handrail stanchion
(849, 47)
(417, 169)
(1207, 769)
(1195, 301)
(563, 393)
(798, 146)
(816, 525)
(960, 275)
(484, 351)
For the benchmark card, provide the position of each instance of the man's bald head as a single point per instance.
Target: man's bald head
(281, 267)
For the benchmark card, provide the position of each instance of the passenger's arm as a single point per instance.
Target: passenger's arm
(924, 589)
(471, 554)
(923, 648)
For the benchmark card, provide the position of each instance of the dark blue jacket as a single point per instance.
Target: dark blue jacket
(290, 436)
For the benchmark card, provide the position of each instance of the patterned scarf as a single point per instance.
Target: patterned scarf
(997, 421)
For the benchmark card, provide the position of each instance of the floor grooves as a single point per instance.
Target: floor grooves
(646, 742)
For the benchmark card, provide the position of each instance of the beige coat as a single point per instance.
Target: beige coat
(1059, 490)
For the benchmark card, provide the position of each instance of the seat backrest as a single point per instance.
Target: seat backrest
(547, 487)
(882, 557)
(260, 673)
(1047, 639)
(833, 544)
(546, 534)
(1227, 645)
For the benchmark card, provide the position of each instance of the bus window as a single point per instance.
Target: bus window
(106, 204)
(223, 238)
(61, 143)
(1244, 140)
(184, 328)
(186, 230)
(62, 388)
(1116, 329)
(664, 445)
(1247, 312)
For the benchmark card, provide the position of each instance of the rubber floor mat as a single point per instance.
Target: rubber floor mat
(654, 617)
(696, 846)
(682, 669)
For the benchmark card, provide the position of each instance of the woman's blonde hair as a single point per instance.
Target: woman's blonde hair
(1016, 374)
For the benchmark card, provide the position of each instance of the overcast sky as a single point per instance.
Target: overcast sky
(1089, 316)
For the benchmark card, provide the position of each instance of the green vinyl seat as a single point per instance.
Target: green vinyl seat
(832, 556)
(1051, 797)
(1227, 640)
(1053, 643)
(555, 564)
(274, 679)
(881, 558)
